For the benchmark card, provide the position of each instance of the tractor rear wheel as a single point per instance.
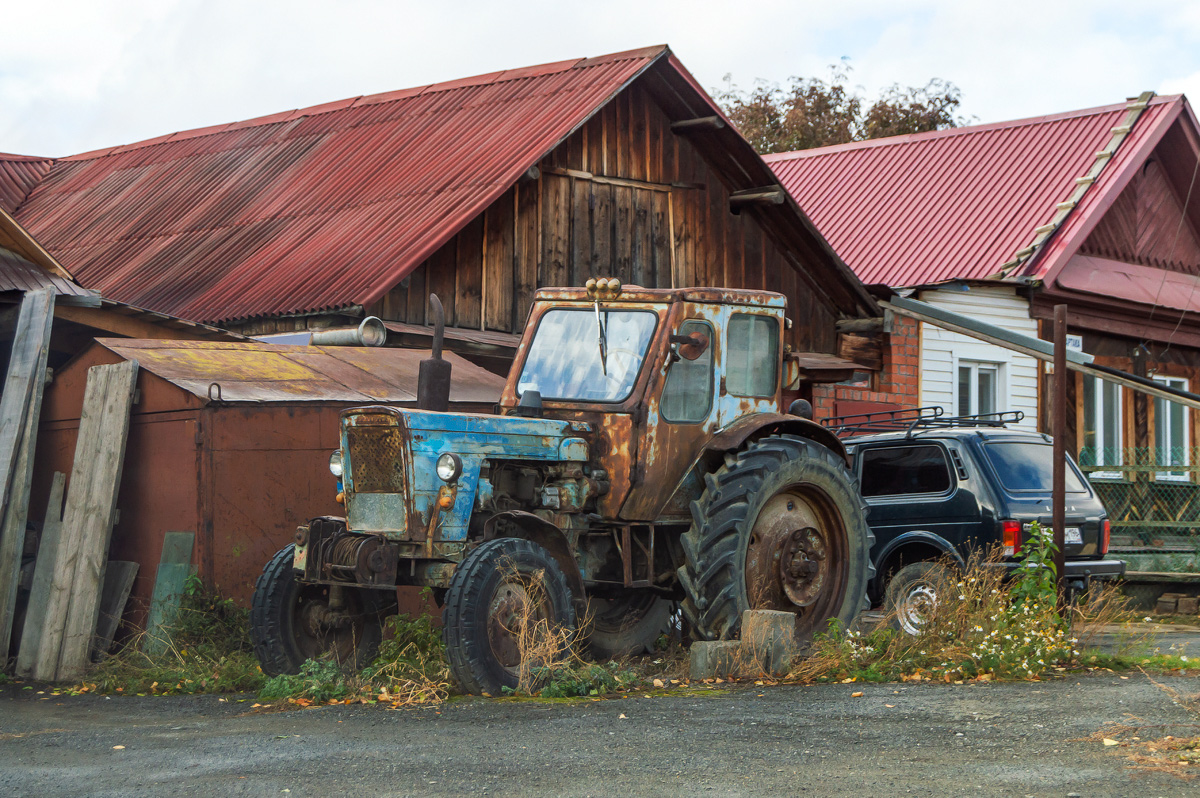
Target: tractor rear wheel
(508, 612)
(779, 526)
(291, 621)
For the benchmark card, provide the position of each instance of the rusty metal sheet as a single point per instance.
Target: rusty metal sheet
(959, 203)
(261, 372)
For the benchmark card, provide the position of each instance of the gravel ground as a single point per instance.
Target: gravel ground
(935, 739)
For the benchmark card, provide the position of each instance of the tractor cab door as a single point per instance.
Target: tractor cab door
(681, 415)
(750, 366)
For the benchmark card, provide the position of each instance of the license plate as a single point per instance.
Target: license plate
(1072, 535)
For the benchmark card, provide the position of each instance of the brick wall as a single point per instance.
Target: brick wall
(898, 381)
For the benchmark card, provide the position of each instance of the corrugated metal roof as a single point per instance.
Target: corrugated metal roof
(313, 209)
(25, 265)
(260, 372)
(958, 204)
(18, 274)
(18, 175)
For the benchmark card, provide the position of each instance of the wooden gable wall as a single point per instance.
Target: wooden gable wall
(626, 197)
(1146, 225)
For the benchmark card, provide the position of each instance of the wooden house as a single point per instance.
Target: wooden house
(1097, 209)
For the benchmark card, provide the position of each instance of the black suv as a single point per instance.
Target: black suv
(938, 486)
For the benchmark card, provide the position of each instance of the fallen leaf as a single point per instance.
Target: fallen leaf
(622, 715)
(674, 681)
(118, 748)
(856, 695)
(1110, 741)
(658, 682)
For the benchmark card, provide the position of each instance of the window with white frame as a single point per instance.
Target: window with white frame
(978, 387)
(1172, 437)
(1101, 426)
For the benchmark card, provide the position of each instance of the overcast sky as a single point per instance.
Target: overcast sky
(79, 75)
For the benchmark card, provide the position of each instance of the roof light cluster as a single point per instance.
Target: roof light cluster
(603, 288)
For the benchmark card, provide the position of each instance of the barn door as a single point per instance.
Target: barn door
(621, 231)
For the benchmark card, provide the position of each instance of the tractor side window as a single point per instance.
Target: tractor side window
(687, 393)
(751, 355)
(904, 470)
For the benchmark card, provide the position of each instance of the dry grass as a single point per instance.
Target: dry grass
(983, 630)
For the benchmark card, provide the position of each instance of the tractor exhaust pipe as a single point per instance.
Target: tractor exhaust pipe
(433, 380)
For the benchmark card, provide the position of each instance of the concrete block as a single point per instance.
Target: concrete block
(768, 642)
(1166, 606)
(714, 659)
(1188, 606)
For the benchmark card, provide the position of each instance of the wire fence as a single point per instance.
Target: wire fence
(1152, 495)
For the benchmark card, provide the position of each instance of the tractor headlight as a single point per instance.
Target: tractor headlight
(449, 467)
(335, 463)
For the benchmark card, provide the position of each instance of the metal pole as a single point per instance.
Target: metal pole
(1058, 415)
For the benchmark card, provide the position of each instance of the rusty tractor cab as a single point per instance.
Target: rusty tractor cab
(640, 458)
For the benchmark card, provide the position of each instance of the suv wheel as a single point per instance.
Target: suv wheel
(913, 594)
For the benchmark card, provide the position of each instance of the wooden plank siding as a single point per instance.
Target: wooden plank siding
(623, 196)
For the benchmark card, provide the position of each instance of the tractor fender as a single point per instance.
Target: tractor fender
(527, 526)
(759, 425)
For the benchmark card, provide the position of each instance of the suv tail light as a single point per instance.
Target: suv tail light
(1105, 535)
(1012, 537)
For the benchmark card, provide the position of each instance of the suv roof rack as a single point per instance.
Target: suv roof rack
(914, 418)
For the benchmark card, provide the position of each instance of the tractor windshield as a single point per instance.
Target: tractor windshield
(564, 362)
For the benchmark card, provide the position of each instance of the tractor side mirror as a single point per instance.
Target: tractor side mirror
(689, 347)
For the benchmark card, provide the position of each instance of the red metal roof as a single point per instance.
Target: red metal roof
(313, 209)
(18, 175)
(959, 204)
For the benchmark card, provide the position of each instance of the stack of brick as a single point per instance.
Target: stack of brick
(897, 384)
(1177, 604)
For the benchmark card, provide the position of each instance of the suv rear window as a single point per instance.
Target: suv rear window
(904, 470)
(1029, 466)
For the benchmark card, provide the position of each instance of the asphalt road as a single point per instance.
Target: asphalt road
(935, 740)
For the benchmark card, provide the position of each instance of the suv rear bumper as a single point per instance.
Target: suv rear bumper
(1084, 570)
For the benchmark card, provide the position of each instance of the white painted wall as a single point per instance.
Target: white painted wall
(942, 350)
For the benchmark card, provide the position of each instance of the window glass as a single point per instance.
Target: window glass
(1028, 466)
(751, 355)
(1171, 442)
(564, 359)
(1101, 425)
(687, 394)
(903, 470)
(978, 388)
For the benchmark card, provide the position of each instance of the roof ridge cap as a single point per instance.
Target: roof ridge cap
(911, 138)
(482, 79)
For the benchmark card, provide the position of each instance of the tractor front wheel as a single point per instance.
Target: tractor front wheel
(779, 526)
(509, 611)
(291, 621)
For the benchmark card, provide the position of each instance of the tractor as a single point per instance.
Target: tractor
(640, 461)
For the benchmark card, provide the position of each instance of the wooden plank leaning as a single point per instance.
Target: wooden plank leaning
(118, 584)
(87, 522)
(43, 573)
(174, 568)
(20, 410)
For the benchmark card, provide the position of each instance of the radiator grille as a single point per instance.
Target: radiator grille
(377, 459)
